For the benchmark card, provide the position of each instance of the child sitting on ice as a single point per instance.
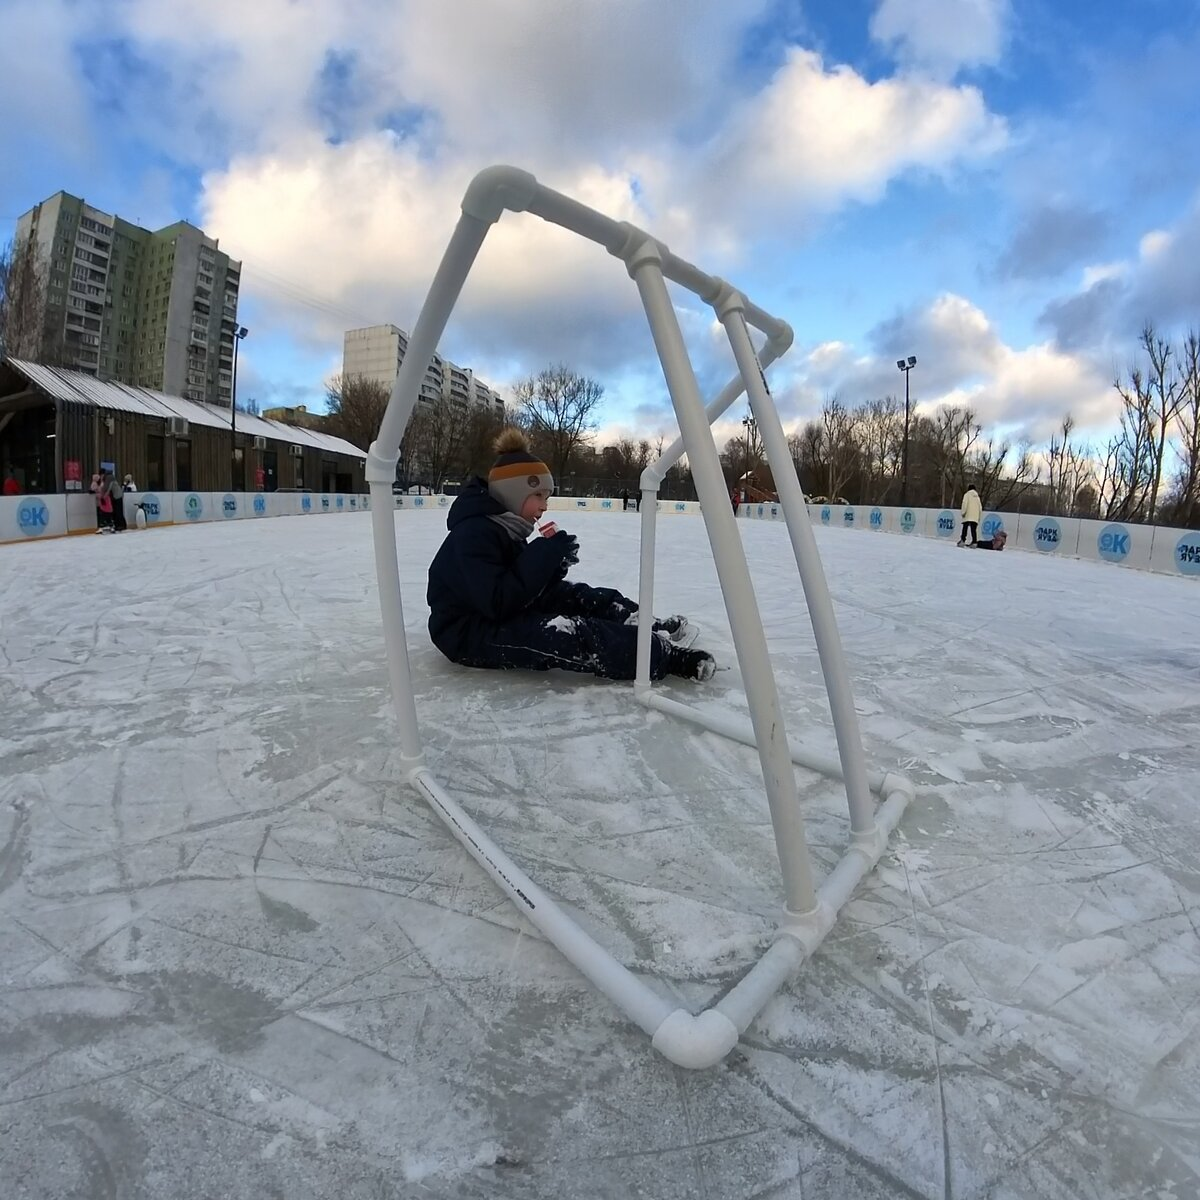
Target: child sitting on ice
(498, 600)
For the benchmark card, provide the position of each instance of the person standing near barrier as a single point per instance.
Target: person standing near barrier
(104, 504)
(500, 601)
(117, 492)
(972, 510)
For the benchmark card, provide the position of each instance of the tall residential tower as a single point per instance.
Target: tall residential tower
(151, 309)
(377, 351)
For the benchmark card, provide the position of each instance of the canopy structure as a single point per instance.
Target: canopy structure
(690, 1040)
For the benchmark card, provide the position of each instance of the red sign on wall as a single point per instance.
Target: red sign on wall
(73, 470)
(260, 477)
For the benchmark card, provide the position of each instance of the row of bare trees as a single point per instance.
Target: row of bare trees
(447, 441)
(857, 454)
(1149, 470)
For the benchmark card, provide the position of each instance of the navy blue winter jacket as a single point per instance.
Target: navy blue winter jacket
(483, 576)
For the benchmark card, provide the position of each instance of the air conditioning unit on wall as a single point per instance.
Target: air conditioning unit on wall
(295, 451)
(260, 442)
(177, 427)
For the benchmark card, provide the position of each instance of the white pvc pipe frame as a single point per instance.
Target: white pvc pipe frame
(689, 1040)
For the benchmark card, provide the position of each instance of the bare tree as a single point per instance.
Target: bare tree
(1163, 385)
(880, 425)
(559, 406)
(1187, 492)
(1071, 471)
(476, 452)
(356, 407)
(1129, 458)
(23, 333)
(954, 432)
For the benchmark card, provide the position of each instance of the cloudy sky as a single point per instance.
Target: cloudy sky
(1007, 189)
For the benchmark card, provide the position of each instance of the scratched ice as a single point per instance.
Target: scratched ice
(238, 960)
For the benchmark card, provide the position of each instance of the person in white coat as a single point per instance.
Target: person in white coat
(972, 510)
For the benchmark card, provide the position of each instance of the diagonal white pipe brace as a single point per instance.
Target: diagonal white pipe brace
(656, 472)
(731, 314)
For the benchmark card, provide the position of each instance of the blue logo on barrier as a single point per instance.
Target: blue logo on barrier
(33, 517)
(847, 516)
(606, 504)
(152, 507)
(418, 502)
(1047, 535)
(260, 506)
(193, 507)
(877, 518)
(324, 501)
(580, 503)
(341, 502)
(306, 504)
(992, 524)
(229, 505)
(1187, 554)
(774, 511)
(1113, 543)
(908, 520)
(354, 501)
(825, 515)
(680, 506)
(366, 502)
(945, 523)
(761, 510)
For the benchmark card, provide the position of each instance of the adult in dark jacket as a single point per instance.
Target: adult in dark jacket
(500, 601)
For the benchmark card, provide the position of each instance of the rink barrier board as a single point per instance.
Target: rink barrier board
(1139, 547)
(34, 517)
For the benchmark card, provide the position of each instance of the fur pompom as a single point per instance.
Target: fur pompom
(509, 440)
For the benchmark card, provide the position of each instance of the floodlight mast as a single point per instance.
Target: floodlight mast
(686, 1039)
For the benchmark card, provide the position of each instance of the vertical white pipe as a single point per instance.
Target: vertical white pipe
(649, 515)
(808, 560)
(736, 588)
(387, 572)
(381, 465)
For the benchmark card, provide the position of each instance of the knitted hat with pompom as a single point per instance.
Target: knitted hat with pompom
(516, 473)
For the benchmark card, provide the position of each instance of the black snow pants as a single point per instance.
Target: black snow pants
(537, 641)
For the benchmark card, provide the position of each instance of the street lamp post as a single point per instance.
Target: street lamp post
(238, 335)
(748, 423)
(906, 365)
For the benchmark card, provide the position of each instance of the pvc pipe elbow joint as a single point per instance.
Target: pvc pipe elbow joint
(695, 1042)
(894, 784)
(498, 188)
(380, 468)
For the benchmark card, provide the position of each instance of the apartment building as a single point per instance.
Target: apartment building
(377, 351)
(153, 309)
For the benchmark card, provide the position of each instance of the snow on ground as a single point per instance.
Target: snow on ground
(237, 959)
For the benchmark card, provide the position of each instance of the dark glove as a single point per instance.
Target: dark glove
(566, 546)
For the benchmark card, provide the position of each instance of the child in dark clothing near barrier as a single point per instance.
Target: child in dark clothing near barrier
(498, 600)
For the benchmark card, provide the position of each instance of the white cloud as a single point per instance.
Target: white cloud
(362, 226)
(941, 36)
(819, 135)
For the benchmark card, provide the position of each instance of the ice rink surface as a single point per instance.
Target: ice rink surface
(238, 959)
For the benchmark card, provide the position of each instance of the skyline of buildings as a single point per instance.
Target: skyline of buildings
(150, 308)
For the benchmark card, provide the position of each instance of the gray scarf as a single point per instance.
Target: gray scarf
(516, 527)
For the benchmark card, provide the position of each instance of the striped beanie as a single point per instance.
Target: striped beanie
(516, 473)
